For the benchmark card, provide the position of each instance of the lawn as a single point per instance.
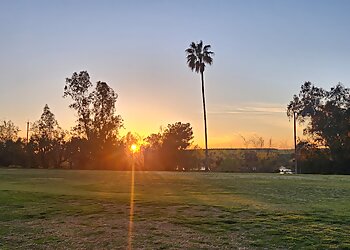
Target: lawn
(63, 209)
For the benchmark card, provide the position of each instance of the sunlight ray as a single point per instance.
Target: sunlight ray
(132, 194)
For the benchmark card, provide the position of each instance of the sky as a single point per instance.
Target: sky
(264, 52)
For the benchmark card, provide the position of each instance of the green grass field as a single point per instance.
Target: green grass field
(56, 209)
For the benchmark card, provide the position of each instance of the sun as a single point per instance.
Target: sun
(133, 148)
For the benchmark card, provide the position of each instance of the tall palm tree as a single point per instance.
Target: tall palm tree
(198, 56)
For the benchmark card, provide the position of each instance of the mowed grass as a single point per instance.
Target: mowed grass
(61, 209)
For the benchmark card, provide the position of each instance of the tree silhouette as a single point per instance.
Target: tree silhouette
(105, 122)
(326, 115)
(96, 132)
(47, 141)
(77, 87)
(11, 147)
(96, 109)
(166, 150)
(178, 136)
(8, 131)
(198, 56)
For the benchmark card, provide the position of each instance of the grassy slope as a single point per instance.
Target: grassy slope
(90, 209)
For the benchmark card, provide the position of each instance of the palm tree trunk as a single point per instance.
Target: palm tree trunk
(205, 126)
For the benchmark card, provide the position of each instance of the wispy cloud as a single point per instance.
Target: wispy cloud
(251, 108)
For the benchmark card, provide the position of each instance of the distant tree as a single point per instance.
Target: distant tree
(154, 141)
(260, 142)
(198, 56)
(166, 149)
(133, 157)
(178, 136)
(270, 146)
(153, 158)
(255, 141)
(11, 147)
(47, 126)
(326, 115)
(129, 139)
(246, 141)
(13, 153)
(8, 131)
(47, 140)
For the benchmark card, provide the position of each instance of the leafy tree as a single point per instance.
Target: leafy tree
(312, 159)
(326, 115)
(105, 123)
(131, 156)
(131, 139)
(11, 147)
(178, 136)
(77, 87)
(97, 124)
(78, 152)
(47, 126)
(47, 140)
(198, 56)
(96, 109)
(154, 141)
(8, 131)
(167, 149)
(13, 153)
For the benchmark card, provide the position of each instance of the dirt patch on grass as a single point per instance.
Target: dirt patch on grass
(154, 227)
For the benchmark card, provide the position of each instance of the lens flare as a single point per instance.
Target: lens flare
(132, 194)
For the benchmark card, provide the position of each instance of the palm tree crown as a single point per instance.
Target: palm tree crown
(198, 56)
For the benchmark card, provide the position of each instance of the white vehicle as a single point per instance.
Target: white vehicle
(284, 170)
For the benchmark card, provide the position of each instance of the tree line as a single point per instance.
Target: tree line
(94, 142)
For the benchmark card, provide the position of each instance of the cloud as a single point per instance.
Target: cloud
(249, 109)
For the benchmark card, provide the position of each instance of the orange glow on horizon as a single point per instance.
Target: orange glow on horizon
(223, 133)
